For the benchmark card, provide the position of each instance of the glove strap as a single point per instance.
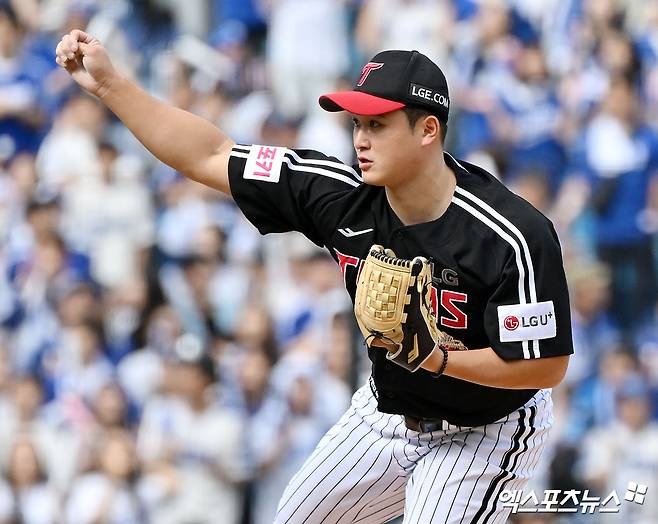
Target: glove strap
(401, 358)
(444, 364)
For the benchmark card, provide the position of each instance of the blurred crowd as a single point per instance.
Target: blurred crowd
(162, 362)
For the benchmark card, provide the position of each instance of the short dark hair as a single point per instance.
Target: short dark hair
(415, 113)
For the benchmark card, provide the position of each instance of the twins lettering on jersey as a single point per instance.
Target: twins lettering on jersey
(517, 322)
(450, 301)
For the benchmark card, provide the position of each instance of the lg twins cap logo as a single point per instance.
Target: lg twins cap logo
(370, 66)
(264, 163)
(519, 322)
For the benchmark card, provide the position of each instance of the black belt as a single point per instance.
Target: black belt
(423, 425)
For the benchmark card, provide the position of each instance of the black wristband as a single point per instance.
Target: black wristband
(444, 364)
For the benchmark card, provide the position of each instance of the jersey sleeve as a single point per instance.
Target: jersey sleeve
(528, 314)
(280, 189)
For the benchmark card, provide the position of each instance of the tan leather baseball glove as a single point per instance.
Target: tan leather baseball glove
(393, 307)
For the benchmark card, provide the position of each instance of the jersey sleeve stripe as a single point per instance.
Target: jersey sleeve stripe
(517, 254)
(513, 229)
(241, 148)
(294, 156)
(316, 170)
(510, 226)
(526, 250)
(328, 163)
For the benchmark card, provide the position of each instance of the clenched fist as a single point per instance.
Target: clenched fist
(86, 60)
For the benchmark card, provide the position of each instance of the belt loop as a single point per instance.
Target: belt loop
(428, 426)
(425, 425)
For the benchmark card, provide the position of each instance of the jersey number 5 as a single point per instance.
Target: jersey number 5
(449, 301)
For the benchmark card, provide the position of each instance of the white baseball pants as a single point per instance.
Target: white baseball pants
(369, 468)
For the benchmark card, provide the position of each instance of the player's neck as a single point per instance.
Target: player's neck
(425, 197)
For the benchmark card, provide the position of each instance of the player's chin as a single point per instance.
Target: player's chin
(374, 177)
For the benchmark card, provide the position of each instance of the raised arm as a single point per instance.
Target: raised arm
(186, 142)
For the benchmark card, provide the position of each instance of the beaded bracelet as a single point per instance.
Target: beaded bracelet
(444, 364)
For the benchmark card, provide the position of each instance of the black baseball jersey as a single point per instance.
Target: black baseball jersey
(498, 277)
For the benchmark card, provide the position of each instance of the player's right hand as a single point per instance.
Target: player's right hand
(86, 60)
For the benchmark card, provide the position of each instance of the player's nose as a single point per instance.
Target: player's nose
(361, 141)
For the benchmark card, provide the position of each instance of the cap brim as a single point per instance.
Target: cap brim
(358, 103)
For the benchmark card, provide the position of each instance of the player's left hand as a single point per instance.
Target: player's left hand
(393, 308)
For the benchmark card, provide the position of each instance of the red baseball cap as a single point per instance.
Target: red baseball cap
(393, 80)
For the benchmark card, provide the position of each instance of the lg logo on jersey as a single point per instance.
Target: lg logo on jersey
(511, 322)
(533, 321)
(449, 277)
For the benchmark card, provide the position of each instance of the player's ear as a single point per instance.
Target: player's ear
(431, 130)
